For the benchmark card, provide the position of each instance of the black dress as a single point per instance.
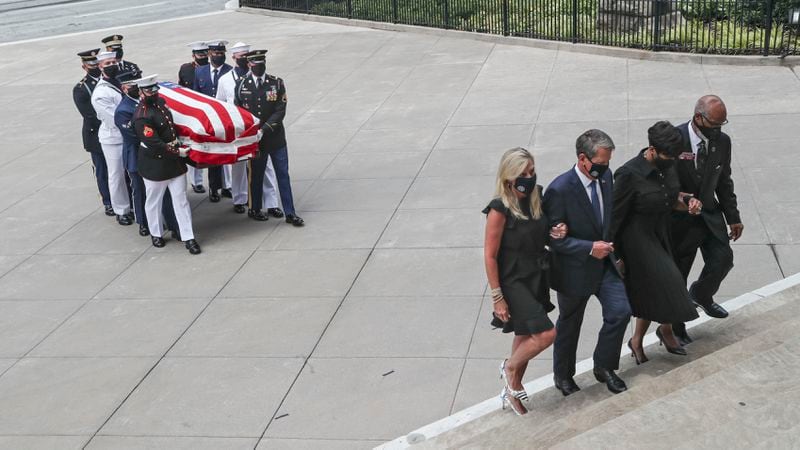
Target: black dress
(643, 202)
(523, 264)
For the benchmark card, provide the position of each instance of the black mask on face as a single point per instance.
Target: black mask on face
(259, 69)
(597, 170)
(202, 61)
(119, 53)
(151, 99)
(242, 63)
(525, 185)
(712, 134)
(133, 92)
(95, 72)
(218, 60)
(663, 164)
(111, 71)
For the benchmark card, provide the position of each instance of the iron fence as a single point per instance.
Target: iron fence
(754, 27)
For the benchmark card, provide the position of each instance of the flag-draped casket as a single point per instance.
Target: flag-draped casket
(216, 132)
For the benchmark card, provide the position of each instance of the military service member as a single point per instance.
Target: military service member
(113, 43)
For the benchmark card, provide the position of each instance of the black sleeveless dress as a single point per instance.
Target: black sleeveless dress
(643, 201)
(523, 265)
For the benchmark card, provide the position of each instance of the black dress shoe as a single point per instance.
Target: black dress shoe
(199, 188)
(275, 212)
(674, 350)
(567, 386)
(682, 336)
(193, 246)
(294, 220)
(213, 196)
(713, 310)
(257, 214)
(109, 210)
(158, 241)
(124, 219)
(239, 209)
(143, 230)
(226, 193)
(612, 381)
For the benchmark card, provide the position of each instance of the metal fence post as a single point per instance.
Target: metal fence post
(308, 6)
(349, 9)
(768, 26)
(394, 11)
(505, 17)
(446, 14)
(574, 21)
(656, 24)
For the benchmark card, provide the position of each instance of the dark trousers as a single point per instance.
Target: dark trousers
(687, 237)
(255, 177)
(137, 197)
(101, 174)
(169, 212)
(215, 178)
(616, 316)
(280, 161)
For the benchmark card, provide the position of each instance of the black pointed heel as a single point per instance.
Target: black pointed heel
(674, 350)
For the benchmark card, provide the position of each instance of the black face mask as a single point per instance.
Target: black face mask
(242, 63)
(712, 134)
(663, 164)
(259, 70)
(119, 53)
(597, 170)
(111, 71)
(202, 61)
(133, 92)
(525, 185)
(151, 99)
(218, 60)
(95, 72)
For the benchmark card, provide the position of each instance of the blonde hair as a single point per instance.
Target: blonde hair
(512, 165)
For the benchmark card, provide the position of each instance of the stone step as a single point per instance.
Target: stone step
(738, 407)
(554, 418)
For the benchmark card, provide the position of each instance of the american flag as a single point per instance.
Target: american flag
(215, 132)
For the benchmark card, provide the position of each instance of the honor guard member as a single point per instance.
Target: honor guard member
(130, 146)
(206, 80)
(199, 58)
(105, 98)
(82, 96)
(113, 43)
(161, 164)
(225, 93)
(265, 96)
(704, 170)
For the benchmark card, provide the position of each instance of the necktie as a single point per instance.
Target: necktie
(258, 83)
(214, 78)
(596, 203)
(702, 154)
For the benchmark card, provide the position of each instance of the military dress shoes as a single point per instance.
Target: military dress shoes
(109, 210)
(158, 241)
(567, 386)
(257, 214)
(275, 212)
(124, 219)
(193, 246)
(239, 209)
(713, 310)
(612, 381)
(226, 193)
(198, 188)
(213, 196)
(143, 230)
(294, 220)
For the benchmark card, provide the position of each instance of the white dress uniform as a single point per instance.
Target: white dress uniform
(105, 99)
(239, 184)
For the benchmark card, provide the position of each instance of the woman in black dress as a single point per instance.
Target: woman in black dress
(646, 190)
(516, 264)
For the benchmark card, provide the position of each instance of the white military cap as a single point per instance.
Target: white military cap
(240, 47)
(217, 44)
(198, 46)
(148, 81)
(102, 56)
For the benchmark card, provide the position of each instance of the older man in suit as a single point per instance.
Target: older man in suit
(584, 263)
(704, 170)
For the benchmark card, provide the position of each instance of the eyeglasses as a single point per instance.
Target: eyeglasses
(715, 124)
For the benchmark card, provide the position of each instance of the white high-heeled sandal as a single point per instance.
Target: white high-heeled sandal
(504, 394)
(520, 395)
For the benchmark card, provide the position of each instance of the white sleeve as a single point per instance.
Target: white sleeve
(103, 105)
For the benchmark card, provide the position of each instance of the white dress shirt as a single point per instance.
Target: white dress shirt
(696, 139)
(587, 184)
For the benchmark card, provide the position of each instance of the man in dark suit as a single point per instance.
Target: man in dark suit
(584, 263)
(206, 80)
(704, 170)
(82, 96)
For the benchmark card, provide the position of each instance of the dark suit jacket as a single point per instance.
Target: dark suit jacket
(123, 118)
(203, 80)
(713, 187)
(576, 273)
(82, 96)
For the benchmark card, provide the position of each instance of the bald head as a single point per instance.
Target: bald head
(712, 108)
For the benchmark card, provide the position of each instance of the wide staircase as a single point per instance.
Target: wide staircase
(738, 388)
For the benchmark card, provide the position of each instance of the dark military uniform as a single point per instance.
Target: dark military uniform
(158, 155)
(127, 66)
(82, 96)
(186, 74)
(266, 99)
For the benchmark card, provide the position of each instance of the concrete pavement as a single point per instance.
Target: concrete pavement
(372, 320)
